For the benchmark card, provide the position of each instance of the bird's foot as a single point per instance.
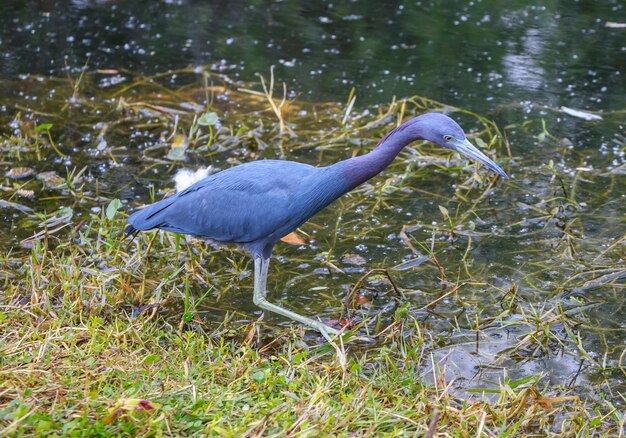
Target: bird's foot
(327, 331)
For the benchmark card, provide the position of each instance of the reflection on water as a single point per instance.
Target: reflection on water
(477, 54)
(521, 68)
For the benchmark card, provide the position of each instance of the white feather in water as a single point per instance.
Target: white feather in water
(185, 177)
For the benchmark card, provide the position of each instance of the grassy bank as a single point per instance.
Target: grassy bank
(79, 358)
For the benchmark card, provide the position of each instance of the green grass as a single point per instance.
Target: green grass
(66, 378)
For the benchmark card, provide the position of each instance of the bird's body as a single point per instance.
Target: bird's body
(254, 204)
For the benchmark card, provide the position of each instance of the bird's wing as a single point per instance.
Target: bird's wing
(241, 204)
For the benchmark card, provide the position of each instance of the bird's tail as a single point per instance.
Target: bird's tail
(147, 218)
(130, 231)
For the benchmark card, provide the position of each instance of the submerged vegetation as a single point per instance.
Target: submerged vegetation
(478, 307)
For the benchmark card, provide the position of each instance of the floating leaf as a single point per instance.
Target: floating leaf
(44, 127)
(62, 216)
(340, 323)
(112, 208)
(20, 172)
(51, 179)
(208, 119)
(354, 259)
(402, 312)
(179, 146)
(377, 279)
(293, 239)
(102, 143)
(362, 300)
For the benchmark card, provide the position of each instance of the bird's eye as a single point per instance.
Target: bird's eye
(447, 137)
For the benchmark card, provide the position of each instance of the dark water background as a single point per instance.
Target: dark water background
(513, 61)
(471, 54)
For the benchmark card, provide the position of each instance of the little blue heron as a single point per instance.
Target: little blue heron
(255, 204)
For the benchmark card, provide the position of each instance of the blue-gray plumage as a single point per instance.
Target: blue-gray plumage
(254, 204)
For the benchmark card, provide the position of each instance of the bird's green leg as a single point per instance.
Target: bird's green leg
(260, 293)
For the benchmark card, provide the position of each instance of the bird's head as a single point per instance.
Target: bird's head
(445, 132)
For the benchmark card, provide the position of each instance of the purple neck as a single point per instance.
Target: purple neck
(359, 169)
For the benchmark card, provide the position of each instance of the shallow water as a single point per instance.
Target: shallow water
(548, 233)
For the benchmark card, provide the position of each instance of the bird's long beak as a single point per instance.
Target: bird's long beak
(464, 147)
